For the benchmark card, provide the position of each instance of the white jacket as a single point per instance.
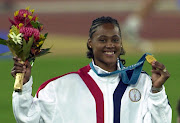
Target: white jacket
(84, 97)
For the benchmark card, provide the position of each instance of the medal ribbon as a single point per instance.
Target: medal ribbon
(135, 75)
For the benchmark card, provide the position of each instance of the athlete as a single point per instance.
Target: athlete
(95, 93)
(134, 23)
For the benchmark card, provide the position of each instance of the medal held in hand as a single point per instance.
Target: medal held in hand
(150, 59)
(25, 40)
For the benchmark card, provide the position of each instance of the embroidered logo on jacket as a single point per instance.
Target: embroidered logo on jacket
(134, 95)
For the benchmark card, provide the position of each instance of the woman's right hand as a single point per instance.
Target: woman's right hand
(21, 68)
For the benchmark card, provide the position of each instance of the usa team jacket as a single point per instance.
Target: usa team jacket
(84, 97)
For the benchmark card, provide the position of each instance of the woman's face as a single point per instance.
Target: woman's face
(106, 44)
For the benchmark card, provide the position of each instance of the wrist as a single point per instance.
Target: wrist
(156, 89)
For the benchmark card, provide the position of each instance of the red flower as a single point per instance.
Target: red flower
(21, 16)
(28, 32)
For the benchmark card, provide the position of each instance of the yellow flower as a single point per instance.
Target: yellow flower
(24, 14)
(32, 11)
(40, 43)
(42, 36)
(30, 17)
(20, 25)
(14, 29)
(27, 8)
(10, 30)
(9, 36)
(36, 18)
(17, 39)
(16, 13)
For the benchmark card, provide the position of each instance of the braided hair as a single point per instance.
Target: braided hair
(98, 22)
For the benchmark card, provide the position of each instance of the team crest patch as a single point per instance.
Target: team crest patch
(134, 95)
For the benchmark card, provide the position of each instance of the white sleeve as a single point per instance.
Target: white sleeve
(34, 110)
(159, 107)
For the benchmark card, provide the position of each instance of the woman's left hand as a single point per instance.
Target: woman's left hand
(159, 74)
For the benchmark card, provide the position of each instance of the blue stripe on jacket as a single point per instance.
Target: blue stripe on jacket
(117, 96)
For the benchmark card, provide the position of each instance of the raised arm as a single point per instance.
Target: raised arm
(158, 103)
(29, 109)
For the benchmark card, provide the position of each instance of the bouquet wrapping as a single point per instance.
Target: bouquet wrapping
(25, 40)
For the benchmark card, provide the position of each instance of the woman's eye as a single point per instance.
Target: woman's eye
(102, 40)
(115, 40)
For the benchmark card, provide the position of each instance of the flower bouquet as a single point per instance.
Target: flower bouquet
(25, 40)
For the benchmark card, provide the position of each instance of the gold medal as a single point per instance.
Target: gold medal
(150, 59)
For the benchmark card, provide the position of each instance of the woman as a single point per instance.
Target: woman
(86, 97)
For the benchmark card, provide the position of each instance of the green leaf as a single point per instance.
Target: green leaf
(36, 24)
(11, 48)
(2, 41)
(6, 54)
(45, 35)
(31, 59)
(16, 49)
(43, 52)
(27, 48)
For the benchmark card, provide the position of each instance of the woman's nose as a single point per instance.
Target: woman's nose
(110, 44)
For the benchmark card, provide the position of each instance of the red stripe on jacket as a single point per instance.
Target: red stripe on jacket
(95, 91)
(93, 88)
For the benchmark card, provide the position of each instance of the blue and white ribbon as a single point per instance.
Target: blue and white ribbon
(135, 75)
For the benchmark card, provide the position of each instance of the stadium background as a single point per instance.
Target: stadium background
(68, 23)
